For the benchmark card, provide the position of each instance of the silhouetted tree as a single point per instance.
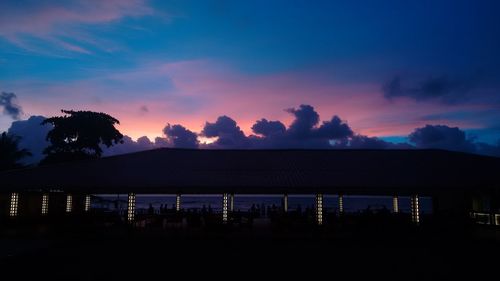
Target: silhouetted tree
(79, 135)
(10, 154)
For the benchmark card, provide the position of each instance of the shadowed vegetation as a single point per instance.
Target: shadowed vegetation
(79, 135)
(10, 153)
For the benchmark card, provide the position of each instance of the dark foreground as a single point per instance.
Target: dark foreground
(363, 251)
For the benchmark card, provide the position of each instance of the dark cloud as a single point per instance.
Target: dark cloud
(180, 137)
(268, 128)
(333, 129)
(441, 137)
(488, 149)
(33, 137)
(365, 142)
(7, 101)
(129, 146)
(303, 132)
(393, 88)
(305, 120)
(145, 142)
(162, 142)
(227, 132)
(442, 88)
(144, 109)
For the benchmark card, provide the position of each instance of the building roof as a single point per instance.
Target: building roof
(265, 171)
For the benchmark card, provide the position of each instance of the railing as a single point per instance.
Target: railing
(486, 218)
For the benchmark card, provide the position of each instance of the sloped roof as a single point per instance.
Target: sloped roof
(265, 171)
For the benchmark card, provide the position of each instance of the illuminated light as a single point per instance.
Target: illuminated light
(87, 203)
(486, 218)
(224, 207)
(285, 203)
(231, 203)
(319, 209)
(341, 204)
(395, 204)
(45, 204)
(178, 202)
(69, 203)
(131, 207)
(483, 218)
(14, 204)
(415, 210)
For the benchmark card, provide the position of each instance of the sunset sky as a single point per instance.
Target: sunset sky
(384, 67)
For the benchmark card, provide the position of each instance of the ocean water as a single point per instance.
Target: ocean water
(352, 203)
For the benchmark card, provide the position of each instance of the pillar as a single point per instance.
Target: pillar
(178, 202)
(45, 204)
(131, 207)
(224, 207)
(69, 203)
(415, 209)
(231, 203)
(285, 203)
(319, 209)
(14, 204)
(495, 219)
(395, 204)
(87, 203)
(341, 204)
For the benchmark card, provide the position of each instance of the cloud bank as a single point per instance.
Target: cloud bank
(304, 132)
(32, 137)
(10, 107)
(180, 137)
(443, 89)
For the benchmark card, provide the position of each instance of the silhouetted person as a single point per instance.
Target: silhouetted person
(151, 210)
(308, 211)
(368, 210)
(384, 211)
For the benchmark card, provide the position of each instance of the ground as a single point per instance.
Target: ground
(374, 251)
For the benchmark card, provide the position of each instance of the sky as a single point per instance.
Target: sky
(385, 68)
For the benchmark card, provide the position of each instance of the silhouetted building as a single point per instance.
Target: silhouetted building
(457, 182)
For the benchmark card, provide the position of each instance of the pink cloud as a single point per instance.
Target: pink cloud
(53, 20)
(203, 90)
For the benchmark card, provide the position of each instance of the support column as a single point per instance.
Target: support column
(225, 200)
(14, 204)
(285, 203)
(495, 219)
(415, 209)
(87, 203)
(319, 209)
(395, 204)
(178, 202)
(341, 204)
(131, 207)
(45, 204)
(69, 203)
(231, 203)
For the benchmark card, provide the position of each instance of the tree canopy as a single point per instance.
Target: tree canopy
(80, 135)
(10, 154)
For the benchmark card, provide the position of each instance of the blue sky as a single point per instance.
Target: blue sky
(150, 63)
